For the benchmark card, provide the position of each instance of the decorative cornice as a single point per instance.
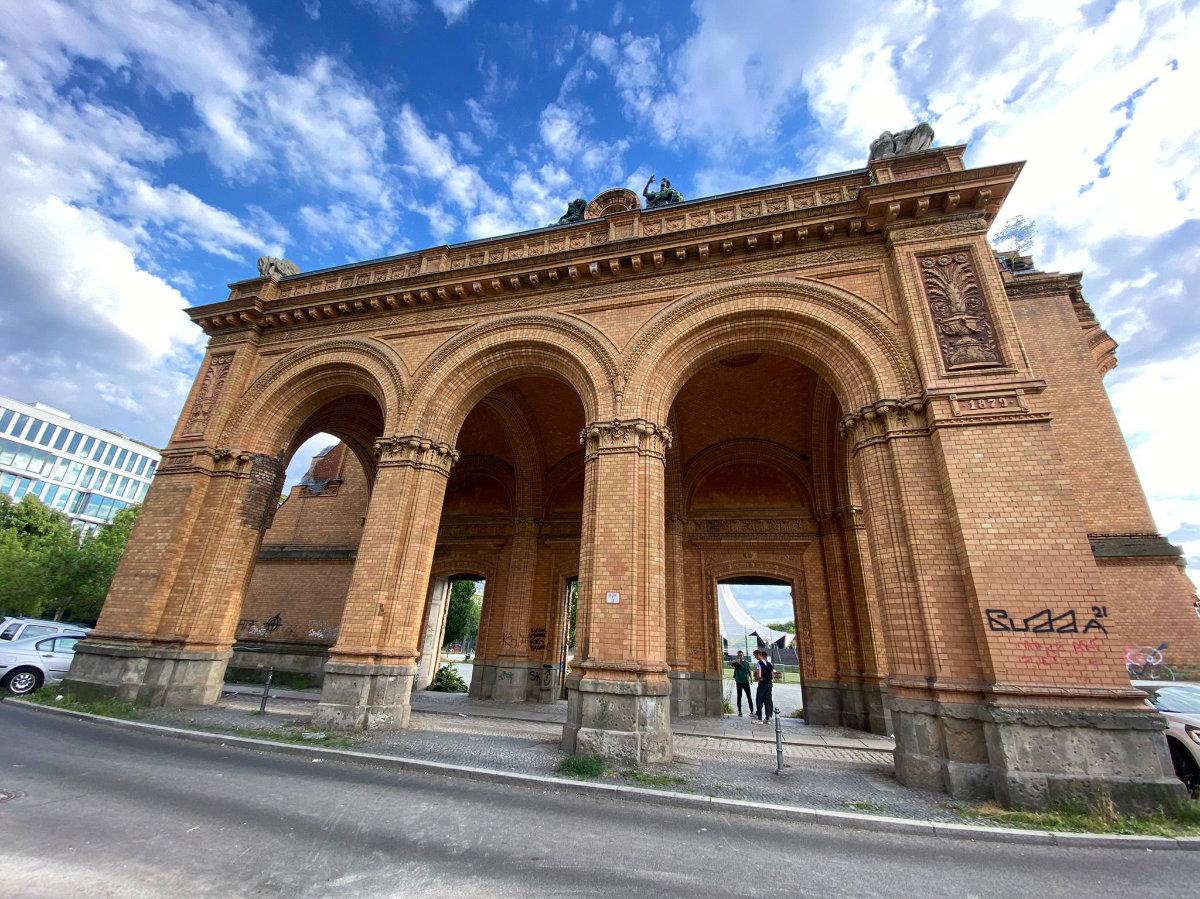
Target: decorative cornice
(625, 435)
(415, 451)
(911, 231)
(781, 219)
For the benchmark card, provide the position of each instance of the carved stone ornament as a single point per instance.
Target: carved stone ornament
(624, 435)
(619, 199)
(212, 385)
(271, 267)
(416, 452)
(960, 315)
(911, 141)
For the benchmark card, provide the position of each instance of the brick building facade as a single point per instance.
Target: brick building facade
(831, 382)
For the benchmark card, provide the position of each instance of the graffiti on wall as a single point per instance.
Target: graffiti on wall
(537, 639)
(1147, 663)
(1047, 622)
(1052, 653)
(251, 627)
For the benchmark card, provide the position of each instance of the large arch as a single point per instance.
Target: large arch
(476, 361)
(837, 334)
(278, 410)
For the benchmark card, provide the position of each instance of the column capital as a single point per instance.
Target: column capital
(414, 451)
(624, 436)
(884, 419)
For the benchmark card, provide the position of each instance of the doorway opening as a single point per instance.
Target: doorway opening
(450, 630)
(758, 614)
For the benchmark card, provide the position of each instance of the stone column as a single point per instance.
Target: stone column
(370, 672)
(619, 702)
(436, 610)
(165, 634)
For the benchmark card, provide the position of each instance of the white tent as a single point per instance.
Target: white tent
(739, 628)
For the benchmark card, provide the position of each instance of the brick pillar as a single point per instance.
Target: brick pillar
(370, 672)
(513, 664)
(861, 584)
(167, 628)
(841, 701)
(619, 693)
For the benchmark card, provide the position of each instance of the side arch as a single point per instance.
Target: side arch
(272, 412)
(476, 361)
(830, 330)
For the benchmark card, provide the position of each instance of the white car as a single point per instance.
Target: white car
(1179, 703)
(12, 629)
(25, 665)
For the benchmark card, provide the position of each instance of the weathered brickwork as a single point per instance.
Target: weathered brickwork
(830, 383)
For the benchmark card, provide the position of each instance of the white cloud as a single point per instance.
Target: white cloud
(401, 12)
(365, 233)
(453, 10)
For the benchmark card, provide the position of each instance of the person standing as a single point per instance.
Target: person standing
(741, 680)
(765, 675)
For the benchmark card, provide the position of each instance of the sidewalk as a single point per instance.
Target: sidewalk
(826, 768)
(731, 727)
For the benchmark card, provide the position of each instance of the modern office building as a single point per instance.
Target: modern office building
(87, 473)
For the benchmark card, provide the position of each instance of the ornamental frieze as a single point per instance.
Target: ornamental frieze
(212, 385)
(416, 452)
(965, 334)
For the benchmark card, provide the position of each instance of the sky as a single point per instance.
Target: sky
(153, 149)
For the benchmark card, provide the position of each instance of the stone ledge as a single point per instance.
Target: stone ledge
(1133, 546)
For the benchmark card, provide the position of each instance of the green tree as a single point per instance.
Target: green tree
(572, 611)
(462, 618)
(47, 568)
(787, 627)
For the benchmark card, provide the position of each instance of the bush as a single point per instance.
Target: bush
(447, 680)
(582, 766)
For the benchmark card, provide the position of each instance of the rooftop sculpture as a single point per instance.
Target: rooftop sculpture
(911, 141)
(272, 267)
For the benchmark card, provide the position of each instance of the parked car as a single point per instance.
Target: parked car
(1179, 703)
(12, 629)
(25, 665)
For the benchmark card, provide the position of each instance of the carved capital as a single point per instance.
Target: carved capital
(416, 452)
(625, 435)
(884, 419)
(849, 518)
(961, 318)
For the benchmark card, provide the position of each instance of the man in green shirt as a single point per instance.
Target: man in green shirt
(741, 677)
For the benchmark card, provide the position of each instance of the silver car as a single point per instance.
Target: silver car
(25, 665)
(1179, 703)
(12, 629)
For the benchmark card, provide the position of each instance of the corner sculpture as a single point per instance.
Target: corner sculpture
(271, 267)
(664, 196)
(574, 211)
(911, 141)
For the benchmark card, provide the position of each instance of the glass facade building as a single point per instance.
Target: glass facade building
(87, 473)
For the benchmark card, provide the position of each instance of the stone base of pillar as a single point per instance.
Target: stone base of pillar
(697, 694)
(626, 721)
(549, 686)
(145, 675)
(513, 678)
(362, 697)
(483, 679)
(1035, 758)
(857, 706)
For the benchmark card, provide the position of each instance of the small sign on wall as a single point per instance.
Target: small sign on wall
(612, 597)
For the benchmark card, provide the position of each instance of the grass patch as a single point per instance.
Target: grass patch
(798, 713)
(647, 779)
(62, 699)
(328, 739)
(297, 682)
(873, 808)
(582, 766)
(1101, 817)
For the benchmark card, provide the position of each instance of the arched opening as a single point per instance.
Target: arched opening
(300, 576)
(756, 480)
(511, 516)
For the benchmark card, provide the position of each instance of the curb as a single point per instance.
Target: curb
(793, 813)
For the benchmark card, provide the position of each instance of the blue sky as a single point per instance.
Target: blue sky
(153, 149)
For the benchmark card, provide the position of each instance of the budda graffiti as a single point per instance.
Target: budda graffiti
(1146, 663)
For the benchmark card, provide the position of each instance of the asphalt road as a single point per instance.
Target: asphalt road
(102, 812)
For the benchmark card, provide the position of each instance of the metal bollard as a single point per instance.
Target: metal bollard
(262, 706)
(778, 743)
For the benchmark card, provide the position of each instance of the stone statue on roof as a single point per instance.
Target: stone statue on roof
(911, 141)
(271, 267)
(664, 196)
(574, 211)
